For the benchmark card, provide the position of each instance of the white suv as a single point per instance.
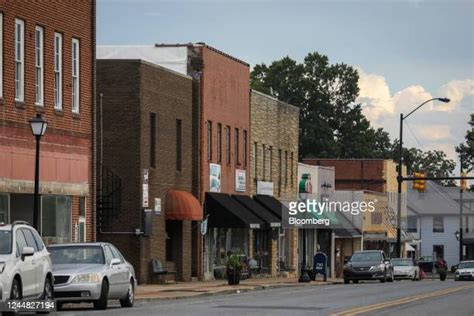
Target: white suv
(25, 264)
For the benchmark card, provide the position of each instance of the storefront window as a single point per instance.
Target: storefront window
(56, 219)
(4, 208)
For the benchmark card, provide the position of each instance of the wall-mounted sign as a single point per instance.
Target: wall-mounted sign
(204, 227)
(265, 188)
(214, 177)
(240, 180)
(145, 188)
(157, 206)
(255, 226)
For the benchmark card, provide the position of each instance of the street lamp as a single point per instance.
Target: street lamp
(400, 176)
(304, 189)
(38, 128)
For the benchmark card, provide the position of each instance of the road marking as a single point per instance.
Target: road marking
(409, 299)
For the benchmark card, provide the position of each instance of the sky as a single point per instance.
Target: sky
(406, 51)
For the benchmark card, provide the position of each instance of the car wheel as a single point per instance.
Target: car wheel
(101, 303)
(347, 281)
(382, 280)
(48, 292)
(128, 301)
(15, 294)
(355, 281)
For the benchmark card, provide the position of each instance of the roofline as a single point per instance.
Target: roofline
(274, 99)
(144, 62)
(348, 159)
(202, 44)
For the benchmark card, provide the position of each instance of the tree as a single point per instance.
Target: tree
(331, 123)
(466, 149)
(432, 162)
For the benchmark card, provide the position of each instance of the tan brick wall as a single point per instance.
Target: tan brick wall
(274, 130)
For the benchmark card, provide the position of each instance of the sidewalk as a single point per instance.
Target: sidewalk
(193, 289)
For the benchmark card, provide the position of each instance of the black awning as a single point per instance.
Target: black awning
(345, 228)
(271, 204)
(267, 216)
(225, 212)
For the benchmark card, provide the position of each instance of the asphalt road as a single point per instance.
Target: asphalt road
(371, 298)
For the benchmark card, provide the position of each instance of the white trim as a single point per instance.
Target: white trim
(1, 54)
(58, 71)
(39, 66)
(75, 71)
(20, 60)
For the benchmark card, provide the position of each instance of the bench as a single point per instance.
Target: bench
(159, 270)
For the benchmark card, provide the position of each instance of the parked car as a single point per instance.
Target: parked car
(92, 272)
(426, 264)
(25, 264)
(405, 268)
(368, 265)
(464, 271)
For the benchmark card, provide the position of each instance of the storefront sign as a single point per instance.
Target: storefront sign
(214, 177)
(265, 188)
(157, 206)
(255, 226)
(240, 180)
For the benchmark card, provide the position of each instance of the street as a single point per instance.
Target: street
(369, 298)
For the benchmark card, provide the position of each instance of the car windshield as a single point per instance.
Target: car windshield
(466, 265)
(366, 256)
(402, 262)
(77, 255)
(5, 242)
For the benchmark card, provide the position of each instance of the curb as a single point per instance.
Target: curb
(237, 291)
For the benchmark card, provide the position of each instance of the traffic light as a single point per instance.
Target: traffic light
(463, 182)
(417, 184)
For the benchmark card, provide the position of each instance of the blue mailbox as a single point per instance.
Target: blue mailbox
(320, 265)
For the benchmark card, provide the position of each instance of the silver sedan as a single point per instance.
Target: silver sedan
(92, 272)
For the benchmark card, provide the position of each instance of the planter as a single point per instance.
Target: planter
(233, 276)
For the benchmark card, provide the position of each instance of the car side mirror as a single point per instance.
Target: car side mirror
(387, 261)
(26, 252)
(114, 262)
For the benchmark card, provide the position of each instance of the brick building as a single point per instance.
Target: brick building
(379, 175)
(146, 156)
(47, 67)
(273, 171)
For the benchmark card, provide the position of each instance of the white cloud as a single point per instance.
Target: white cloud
(456, 90)
(435, 132)
(432, 129)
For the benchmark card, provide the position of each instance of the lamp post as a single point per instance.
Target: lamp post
(304, 189)
(400, 176)
(38, 128)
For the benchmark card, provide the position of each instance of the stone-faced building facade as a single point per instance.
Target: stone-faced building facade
(274, 164)
(146, 147)
(47, 54)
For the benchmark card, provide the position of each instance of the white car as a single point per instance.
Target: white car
(465, 271)
(25, 264)
(405, 268)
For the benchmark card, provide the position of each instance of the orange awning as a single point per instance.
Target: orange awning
(182, 205)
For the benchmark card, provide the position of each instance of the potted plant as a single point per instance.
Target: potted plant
(234, 269)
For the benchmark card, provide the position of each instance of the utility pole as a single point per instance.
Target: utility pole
(461, 189)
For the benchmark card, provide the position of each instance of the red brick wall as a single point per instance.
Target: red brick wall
(67, 133)
(225, 99)
(355, 174)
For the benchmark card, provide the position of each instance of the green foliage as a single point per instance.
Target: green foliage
(331, 123)
(233, 262)
(466, 149)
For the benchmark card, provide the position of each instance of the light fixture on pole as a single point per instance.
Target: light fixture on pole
(400, 176)
(38, 128)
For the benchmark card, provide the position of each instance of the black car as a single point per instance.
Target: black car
(368, 265)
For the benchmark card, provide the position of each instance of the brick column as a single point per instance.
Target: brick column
(185, 260)
(273, 252)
